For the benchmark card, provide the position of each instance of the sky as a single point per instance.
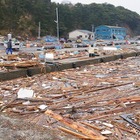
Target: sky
(133, 5)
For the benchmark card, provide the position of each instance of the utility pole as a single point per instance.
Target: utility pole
(92, 27)
(39, 31)
(57, 22)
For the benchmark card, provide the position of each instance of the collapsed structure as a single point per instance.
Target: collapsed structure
(98, 101)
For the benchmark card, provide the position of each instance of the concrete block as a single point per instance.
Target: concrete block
(34, 70)
(108, 58)
(13, 74)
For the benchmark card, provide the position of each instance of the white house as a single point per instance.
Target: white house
(81, 34)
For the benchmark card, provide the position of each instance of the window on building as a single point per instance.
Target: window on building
(104, 30)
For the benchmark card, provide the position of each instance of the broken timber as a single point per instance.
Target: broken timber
(76, 126)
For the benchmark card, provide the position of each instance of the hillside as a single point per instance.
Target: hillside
(22, 17)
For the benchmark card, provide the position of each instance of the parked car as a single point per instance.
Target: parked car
(15, 44)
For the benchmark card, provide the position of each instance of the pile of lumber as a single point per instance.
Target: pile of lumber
(20, 64)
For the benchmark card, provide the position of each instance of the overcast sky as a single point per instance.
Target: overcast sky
(133, 5)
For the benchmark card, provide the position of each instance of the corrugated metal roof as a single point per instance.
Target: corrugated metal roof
(114, 26)
(110, 26)
(85, 31)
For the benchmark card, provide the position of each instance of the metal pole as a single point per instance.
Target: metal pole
(57, 23)
(39, 31)
(92, 27)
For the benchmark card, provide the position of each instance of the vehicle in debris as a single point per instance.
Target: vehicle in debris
(15, 44)
(93, 50)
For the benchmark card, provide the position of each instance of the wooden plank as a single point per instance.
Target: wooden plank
(125, 99)
(92, 126)
(118, 133)
(75, 125)
(116, 110)
(126, 129)
(73, 133)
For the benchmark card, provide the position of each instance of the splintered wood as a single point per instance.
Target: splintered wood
(22, 64)
(76, 126)
(85, 102)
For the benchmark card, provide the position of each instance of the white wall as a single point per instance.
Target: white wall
(74, 34)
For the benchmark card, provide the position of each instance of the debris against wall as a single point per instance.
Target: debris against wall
(88, 102)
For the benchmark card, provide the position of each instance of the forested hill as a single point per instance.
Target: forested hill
(21, 17)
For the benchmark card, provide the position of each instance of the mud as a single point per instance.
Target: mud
(16, 129)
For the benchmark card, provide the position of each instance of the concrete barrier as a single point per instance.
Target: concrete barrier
(125, 55)
(108, 58)
(13, 74)
(51, 67)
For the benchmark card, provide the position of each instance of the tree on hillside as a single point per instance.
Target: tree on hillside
(22, 17)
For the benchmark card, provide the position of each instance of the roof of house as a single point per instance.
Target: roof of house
(83, 31)
(110, 26)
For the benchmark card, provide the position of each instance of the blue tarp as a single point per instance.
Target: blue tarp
(50, 39)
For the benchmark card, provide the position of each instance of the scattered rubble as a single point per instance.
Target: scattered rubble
(25, 60)
(88, 102)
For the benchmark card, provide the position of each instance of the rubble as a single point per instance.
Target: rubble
(23, 59)
(87, 102)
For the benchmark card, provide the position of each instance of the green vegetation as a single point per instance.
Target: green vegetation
(21, 17)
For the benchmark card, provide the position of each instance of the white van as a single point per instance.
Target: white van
(15, 44)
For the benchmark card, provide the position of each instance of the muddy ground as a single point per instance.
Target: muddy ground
(16, 129)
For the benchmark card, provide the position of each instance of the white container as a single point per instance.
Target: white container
(9, 36)
(49, 56)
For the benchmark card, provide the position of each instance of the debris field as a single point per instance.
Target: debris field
(97, 102)
(25, 60)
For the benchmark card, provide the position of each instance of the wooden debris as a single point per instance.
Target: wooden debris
(87, 96)
(137, 117)
(36, 99)
(12, 57)
(118, 133)
(92, 126)
(117, 110)
(21, 64)
(4, 106)
(73, 133)
(76, 126)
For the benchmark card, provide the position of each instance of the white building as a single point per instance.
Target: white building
(81, 34)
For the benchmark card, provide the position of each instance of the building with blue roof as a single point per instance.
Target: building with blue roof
(106, 32)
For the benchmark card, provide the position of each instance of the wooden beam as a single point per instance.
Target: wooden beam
(76, 126)
(73, 133)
